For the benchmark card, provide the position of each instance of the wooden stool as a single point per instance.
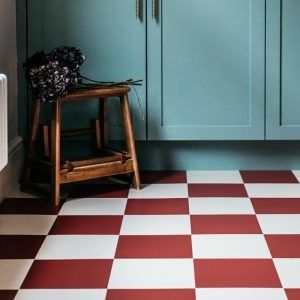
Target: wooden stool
(109, 163)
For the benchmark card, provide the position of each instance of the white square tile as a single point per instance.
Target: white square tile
(297, 174)
(273, 190)
(214, 177)
(240, 294)
(220, 206)
(61, 294)
(160, 191)
(152, 273)
(94, 206)
(13, 273)
(288, 270)
(26, 224)
(230, 246)
(156, 225)
(279, 224)
(78, 247)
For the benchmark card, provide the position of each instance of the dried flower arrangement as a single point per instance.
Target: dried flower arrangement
(55, 74)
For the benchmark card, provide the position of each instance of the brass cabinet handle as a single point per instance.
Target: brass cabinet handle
(139, 9)
(155, 9)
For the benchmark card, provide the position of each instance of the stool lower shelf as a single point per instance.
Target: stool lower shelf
(107, 162)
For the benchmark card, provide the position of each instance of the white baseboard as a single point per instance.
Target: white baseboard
(11, 174)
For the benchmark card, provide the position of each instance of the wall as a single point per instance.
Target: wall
(8, 66)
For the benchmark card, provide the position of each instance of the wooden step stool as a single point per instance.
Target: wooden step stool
(108, 162)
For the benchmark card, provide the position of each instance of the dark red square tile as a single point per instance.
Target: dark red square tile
(28, 206)
(284, 246)
(293, 294)
(150, 177)
(217, 190)
(94, 190)
(8, 295)
(236, 273)
(87, 225)
(225, 224)
(268, 177)
(166, 206)
(276, 205)
(68, 274)
(154, 247)
(20, 247)
(181, 294)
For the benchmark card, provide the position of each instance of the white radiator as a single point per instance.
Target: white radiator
(3, 122)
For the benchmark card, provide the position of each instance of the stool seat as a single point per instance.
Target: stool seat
(96, 93)
(105, 162)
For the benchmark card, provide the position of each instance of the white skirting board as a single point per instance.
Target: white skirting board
(3, 122)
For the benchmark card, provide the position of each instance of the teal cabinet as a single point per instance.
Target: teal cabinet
(283, 70)
(111, 36)
(212, 69)
(206, 64)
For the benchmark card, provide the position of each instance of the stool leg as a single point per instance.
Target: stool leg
(103, 121)
(55, 153)
(32, 139)
(130, 142)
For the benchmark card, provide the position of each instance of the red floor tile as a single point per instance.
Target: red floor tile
(100, 191)
(276, 205)
(28, 206)
(148, 177)
(68, 274)
(154, 247)
(7, 295)
(182, 294)
(167, 206)
(225, 224)
(284, 246)
(223, 273)
(293, 294)
(87, 225)
(20, 247)
(268, 177)
(217, 190)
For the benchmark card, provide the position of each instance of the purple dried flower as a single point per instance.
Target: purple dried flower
(51, 76)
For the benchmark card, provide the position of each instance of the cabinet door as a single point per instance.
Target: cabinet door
(283, 69)
(206, 70)
(113, 40)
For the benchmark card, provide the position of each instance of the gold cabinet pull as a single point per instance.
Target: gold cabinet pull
(139, 9)
(155, 9)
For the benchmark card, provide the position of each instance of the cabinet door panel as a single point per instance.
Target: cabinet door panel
(283, 69)
(113, 40)
(206, 70)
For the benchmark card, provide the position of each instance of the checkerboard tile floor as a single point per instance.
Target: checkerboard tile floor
(185, 235)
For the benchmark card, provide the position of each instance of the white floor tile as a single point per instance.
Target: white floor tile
(13, 273)
(220, 206)
(153, 225)
(94, 206)
(230, 246)
(26, 224)
(288, 270)
(273, 190)
(78, 247)
(279, 224)
(61, 295)
(297, 174)
(153, 273)
(160, 191)
(240, 294)
(214, 177)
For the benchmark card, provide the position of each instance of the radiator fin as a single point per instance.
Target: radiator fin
(3, 122)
